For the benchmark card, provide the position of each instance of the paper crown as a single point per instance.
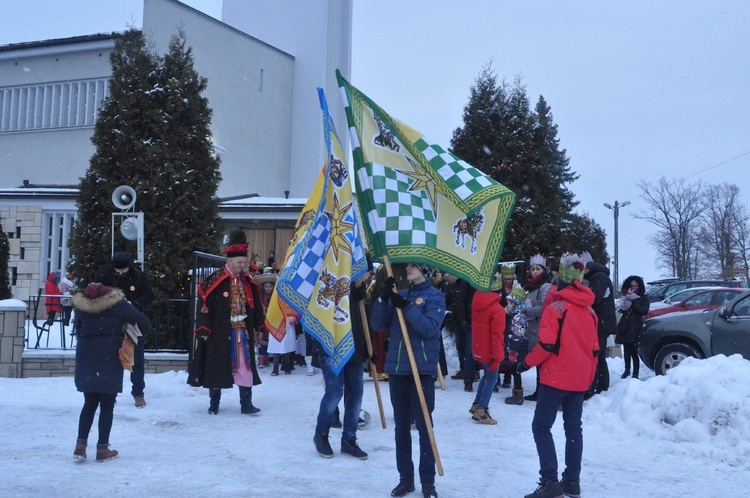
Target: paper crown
(508, 269)
(518, 293)
(538, 259)
(571, 267)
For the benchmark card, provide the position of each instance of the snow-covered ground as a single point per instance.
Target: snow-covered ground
(684, 434)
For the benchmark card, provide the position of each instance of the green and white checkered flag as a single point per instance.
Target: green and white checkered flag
(421, 203)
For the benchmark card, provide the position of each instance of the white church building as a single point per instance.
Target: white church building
(264, 60)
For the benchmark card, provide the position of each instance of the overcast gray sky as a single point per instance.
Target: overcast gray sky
(639, 89)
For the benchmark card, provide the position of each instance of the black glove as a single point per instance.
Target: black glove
(359, 292)
(521, 367)
(387, 290)
(399, 301)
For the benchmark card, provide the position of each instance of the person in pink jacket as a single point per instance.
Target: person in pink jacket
(567, 354)
(488, 348)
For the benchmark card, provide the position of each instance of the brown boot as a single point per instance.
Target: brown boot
(474, 408)
(103, 453)
(483, 417)
(458, 375)
(516, 399)
(80, 452)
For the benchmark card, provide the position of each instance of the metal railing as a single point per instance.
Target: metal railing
(172, 321)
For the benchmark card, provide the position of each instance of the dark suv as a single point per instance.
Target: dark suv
(662, 292)
(667, 340)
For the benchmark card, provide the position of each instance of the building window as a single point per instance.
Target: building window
(260, 80)
(52, 105)
(14, 276)
(55, 234)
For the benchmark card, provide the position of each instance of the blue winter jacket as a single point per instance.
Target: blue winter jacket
(99, 324)
(423, 315)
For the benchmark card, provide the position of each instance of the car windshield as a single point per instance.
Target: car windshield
(684, 294)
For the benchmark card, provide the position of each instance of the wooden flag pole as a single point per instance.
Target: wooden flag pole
(440, 374)
(373, 370)
(415, 373)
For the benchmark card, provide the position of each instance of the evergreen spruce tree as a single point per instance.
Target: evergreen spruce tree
(152, 134)
(5, 292)
(520, 149)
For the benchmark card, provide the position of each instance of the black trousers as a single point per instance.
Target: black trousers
(106, 404)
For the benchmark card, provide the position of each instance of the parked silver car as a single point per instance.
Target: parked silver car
(667, 340)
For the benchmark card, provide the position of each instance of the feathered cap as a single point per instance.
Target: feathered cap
(237, 245)
(571, 267)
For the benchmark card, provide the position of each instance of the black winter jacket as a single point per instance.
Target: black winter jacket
(604, 298)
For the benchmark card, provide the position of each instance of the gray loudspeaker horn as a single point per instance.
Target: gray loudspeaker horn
(129, 228)
(123, 197)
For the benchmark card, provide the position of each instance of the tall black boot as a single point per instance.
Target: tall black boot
(214, 395)
(287, 363)
(246, 401)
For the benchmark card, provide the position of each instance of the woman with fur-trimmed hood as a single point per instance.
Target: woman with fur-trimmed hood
(101, 312)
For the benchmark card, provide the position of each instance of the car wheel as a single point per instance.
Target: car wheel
(671, 355)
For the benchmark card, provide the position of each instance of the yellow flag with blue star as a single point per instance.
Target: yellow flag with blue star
(327, 257)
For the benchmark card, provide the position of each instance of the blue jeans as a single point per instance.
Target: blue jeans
(545, 413)
(406, 408)
(349, 379)
(485, 387)
(137, 376)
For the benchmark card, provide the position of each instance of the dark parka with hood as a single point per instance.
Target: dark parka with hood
(631, 322)
(101, 312)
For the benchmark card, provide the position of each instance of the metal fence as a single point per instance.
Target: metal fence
(172, 321)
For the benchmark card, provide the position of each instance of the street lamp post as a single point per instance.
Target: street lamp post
(616, 210)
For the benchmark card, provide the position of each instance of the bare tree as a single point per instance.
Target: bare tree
(717, 224)
(675, 207)
(741, 240)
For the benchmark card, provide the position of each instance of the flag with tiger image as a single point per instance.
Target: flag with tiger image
(326, 258)
(419, 202)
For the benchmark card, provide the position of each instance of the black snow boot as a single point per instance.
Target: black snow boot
(214, 395)
(547, 489)
(246, 401)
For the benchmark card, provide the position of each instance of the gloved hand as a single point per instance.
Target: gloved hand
(625, 305)
(521, 367)
(632, 296)
(387, 290)
(399, 301)
(358, 292)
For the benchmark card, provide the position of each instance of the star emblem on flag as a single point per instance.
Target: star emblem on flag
(422, 181)
(339, 227)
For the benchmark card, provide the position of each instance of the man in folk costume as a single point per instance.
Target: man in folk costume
(228, 313)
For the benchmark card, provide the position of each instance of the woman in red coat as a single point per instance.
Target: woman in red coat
(488, 347)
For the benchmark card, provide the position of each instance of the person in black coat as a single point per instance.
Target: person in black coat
(229, 312)
(634, 308)
(122, 274)
(600, 284)
(101, 312)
